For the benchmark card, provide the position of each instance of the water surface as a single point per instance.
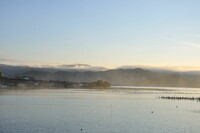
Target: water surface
(98, 111)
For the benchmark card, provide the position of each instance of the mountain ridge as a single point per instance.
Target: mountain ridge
(133, 77)
(130, 77)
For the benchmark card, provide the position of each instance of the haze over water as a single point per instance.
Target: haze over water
(97, 111)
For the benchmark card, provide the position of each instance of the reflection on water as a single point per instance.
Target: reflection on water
(98, 111)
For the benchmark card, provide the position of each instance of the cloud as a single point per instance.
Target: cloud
(12, 61)
(6, 60)
(184, 42)
(195, 35)
(81, 67)
(190, 44)
(74, 66)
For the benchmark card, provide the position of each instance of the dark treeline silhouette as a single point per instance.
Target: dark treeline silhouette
(29, 82)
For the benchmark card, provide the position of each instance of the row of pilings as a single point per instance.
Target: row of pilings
(179, 98)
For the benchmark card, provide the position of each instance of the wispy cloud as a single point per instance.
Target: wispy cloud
(82, 66)
(7, 60)
(184, 42)
(12, 61)
(194, 35)
(75, 65)
(190, 44)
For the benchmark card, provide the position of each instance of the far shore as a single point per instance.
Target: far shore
(156, 88)
(134, 88)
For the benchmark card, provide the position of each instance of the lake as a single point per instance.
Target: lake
(125, 110)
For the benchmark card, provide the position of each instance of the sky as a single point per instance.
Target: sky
(109, 33)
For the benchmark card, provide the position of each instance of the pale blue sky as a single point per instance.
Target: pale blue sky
(108, 33)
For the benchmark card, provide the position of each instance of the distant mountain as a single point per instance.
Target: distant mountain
(134, 76)
(191, 73)
(11, 71)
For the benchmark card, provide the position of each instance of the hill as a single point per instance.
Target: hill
(133, 77)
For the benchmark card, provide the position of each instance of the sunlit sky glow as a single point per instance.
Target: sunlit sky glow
(109, 33)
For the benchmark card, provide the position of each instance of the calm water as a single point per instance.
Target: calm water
(98, 111)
